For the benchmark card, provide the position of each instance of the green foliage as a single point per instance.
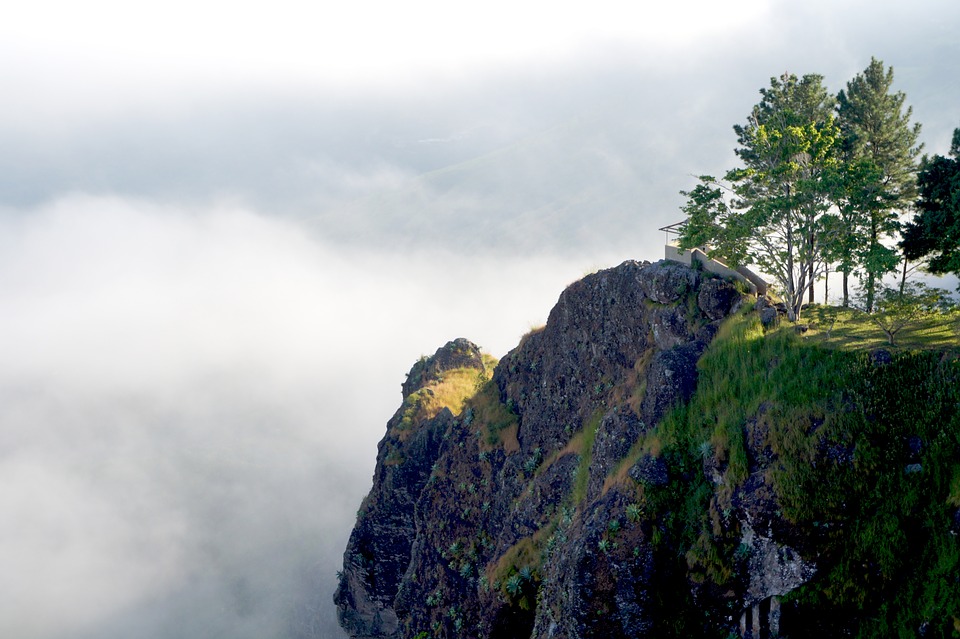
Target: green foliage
(851, 329)
(819, 185)
(582, 477)
(895, 310)
(532, 462)
(497, 421)
(934, 232)
(887, 529)
(863, 460)
(880, 153)
(768, 212)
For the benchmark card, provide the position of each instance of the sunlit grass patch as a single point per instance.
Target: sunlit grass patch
(451, 391)
(497, 422)
(852, 329)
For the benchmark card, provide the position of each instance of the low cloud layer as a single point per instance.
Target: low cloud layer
(190, 402)
(218, 258)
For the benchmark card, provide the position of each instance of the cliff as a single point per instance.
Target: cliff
(655, 462)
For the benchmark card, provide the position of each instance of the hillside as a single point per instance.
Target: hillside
(655, 462)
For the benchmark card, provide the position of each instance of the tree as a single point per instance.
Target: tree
(769, 211)
(895, 310)
(880, 154)
(934, 232)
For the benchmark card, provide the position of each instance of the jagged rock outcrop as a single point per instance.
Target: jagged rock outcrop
(379, 549)
(569, 494)
(448, 541)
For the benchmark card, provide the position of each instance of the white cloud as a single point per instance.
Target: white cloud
(190, 402)
(107, 57)
(191, 393)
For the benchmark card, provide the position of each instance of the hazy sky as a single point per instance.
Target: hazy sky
(227, 229)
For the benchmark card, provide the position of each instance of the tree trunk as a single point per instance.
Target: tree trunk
(871, 274)
(794, 298)
(846, 289)
(903, 277)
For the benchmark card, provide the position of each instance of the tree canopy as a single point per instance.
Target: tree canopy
(934, 232)
(769, 211)
(880, 153)
(823, 183)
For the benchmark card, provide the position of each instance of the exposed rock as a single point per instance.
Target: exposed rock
(915, 445)
(650, 469)
(881, 357)
(379, 550)
(593, 589)
(540, 533)
(768, 312)
(774, 569)
(717, 298)
(617, 432)
(459, 353)
(666, 282)
(672, 378)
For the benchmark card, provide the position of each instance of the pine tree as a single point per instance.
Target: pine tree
(880, 153)
(934, 232)
(774, 219)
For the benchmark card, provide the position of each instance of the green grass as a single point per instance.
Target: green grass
(497, 423)
(582, 477)
(837, 430)
(850, 329)
(451, 391)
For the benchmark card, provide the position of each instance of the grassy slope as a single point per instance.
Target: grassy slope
(839, 431)
(843, 434)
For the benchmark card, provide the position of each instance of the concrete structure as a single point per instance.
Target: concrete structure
(762, 620)
(754, 282)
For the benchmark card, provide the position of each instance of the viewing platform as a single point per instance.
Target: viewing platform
(672, 251)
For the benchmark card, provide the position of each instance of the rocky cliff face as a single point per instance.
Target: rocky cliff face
(554, 498)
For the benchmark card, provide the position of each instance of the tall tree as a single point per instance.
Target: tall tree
(934, 232)
(880, 154)
(770, 214)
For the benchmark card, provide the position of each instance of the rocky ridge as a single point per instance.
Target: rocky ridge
(548, 503)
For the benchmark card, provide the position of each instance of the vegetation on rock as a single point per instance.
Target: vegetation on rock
(636, 468)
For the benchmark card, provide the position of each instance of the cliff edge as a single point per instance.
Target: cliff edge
(655, 463)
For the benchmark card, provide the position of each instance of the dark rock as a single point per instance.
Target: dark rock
(666, 282)
(448, 512)
(881, 357)
(717, 298)
(379, 549)
(839, 454)
(593, 590)
(459, 353)
(650, 469)
(671, 378)
(617, 432)
(557, 378)
(914, 446)
(768, 312)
